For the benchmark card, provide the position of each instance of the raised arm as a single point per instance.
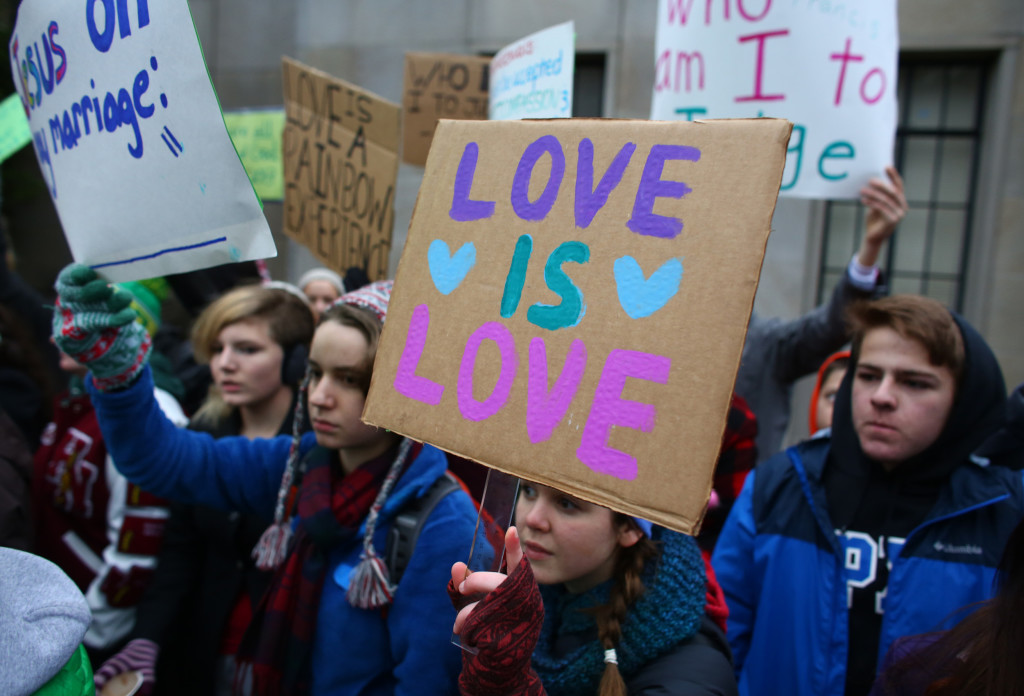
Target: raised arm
(806, 341)
(94, 324)
(185, 465)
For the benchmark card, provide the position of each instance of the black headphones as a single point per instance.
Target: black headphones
(293, 364)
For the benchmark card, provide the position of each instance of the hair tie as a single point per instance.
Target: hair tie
(610, 657)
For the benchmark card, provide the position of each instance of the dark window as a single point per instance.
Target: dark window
(938, 140)
(588, 85)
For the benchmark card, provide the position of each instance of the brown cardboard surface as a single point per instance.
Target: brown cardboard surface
(635, 421)
(440, 85)
(340, 151)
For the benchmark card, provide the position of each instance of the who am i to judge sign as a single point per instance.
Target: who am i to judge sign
(572, 299)
(830, 67)
(130, 138)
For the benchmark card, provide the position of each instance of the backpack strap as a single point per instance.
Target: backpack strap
(407, 525)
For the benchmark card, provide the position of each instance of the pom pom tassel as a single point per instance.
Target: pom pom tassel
(272, 547)
(370, 586)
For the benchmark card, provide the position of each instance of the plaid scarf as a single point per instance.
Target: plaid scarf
(275, 654)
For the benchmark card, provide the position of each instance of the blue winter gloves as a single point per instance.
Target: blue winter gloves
(94, 324)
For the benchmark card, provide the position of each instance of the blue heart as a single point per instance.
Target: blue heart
(447, 270)
(642, 297)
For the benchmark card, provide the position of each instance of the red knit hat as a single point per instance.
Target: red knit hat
(813, 411)
(374, 297)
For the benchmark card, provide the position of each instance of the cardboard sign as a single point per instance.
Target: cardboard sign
(829, 67)
(440, 85)
(532, 78)
(14, 132)
(256, 134)
(340, 167)
(572, 299)
(130, 139)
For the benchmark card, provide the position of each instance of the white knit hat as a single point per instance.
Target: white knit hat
(322, 274)
(43, 618)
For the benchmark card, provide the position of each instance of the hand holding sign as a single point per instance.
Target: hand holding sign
(501, 630)
(94, 324)
(467, 584)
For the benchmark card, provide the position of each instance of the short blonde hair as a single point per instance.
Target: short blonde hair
(289, 321)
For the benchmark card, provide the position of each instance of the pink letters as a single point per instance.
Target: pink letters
(407, 383)
(545, 409)
(470, 408)
(610, 409)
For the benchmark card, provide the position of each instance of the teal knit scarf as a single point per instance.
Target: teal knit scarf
(669, 612)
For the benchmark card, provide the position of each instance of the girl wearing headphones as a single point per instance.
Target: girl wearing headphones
(191, 620)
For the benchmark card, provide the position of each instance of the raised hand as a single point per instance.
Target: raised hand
(887, 206)
(503, 627)
(470, 584)
(94, 324)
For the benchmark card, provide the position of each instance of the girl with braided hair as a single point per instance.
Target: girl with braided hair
(597, 602)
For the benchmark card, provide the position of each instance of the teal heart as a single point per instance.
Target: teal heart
(447, 270)
(640, 296)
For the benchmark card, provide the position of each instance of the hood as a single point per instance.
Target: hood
(977, 413)
(1008, 441)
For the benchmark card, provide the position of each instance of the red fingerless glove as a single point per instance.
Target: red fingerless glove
(504, 628)
(714, 598)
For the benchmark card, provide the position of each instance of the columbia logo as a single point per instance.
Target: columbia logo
(963, 549)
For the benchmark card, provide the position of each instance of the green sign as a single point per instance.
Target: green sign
(14, 131)
(256, 134)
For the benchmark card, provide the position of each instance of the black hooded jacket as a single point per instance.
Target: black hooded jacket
(864, 498)
(1006, 446)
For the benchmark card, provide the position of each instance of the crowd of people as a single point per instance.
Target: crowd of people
(209, 515)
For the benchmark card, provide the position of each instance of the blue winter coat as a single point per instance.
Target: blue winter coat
(780, 564)
(406, 650)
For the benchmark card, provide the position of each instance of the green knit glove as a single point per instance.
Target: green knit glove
(95, 325)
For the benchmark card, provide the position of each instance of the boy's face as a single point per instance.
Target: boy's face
(900, 400)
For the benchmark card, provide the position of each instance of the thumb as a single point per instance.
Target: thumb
(78, 283)
(460, 618)
(76, 274)
(513, 548)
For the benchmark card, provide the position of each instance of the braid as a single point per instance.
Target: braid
(627, 588)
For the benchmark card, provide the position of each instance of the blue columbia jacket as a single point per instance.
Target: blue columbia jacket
(785, 574)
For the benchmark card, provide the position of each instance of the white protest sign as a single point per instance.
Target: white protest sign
(130, 138)
(532, 78)
(828, 67)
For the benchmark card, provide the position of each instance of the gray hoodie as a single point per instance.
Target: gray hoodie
(43, 617)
